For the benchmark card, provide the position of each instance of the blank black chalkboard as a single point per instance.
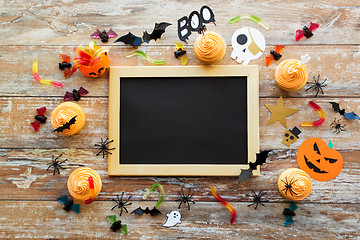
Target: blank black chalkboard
(183, 120)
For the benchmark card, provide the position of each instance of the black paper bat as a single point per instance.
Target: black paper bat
(260, 159)
(66, 125)
(350, 116)
(153, 212)
(130, 39)
(159, 29)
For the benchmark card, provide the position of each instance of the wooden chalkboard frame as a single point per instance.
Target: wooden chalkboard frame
(116, 72)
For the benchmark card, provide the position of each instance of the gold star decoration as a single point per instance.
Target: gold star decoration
(279, 112)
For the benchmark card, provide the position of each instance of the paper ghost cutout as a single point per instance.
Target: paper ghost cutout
(248, 44)
(173, 218)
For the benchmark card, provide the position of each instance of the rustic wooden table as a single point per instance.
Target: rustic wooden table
(41, 30)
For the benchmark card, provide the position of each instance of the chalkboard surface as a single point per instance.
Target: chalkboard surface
(193, 120)
(183, 121)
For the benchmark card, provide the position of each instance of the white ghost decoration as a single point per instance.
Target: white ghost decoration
(173, 218)
(248, 44)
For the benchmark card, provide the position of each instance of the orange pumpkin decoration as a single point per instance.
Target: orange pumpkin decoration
(93, 61)
(318, 160)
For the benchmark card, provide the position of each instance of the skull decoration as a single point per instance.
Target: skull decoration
(290, 136)
(248, 44)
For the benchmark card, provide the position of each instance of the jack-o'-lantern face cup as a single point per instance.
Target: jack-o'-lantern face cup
(93, 61)
(318, 160)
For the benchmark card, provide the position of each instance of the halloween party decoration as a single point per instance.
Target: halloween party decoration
(145, 56)
(56, 164)
(274, 54)
(291, 75)
(350, 116)
(104, 147)
(180, 52)
(224, 203)
(248, 44)
(116, 225)
(252, 18)
(173, 218)
(43, 81)
(194, 22)
(121, 204)
(318, 160)
(104, 36)
(66, 125)
(130, 39)
(186, 199)
(92, 61)
(75, 94)
(306, 31)
(317, 85)
(153, 212)
(69, 204)
(68, 118)
(279, 112)
(336, 125)
(65, 65)
(321, 113)
(260, 159)
(289, 213)
(256, 198)
(294, 184)
(39, 118)
(290, 136)
(159, 29)
(209, 48)
(84, 184)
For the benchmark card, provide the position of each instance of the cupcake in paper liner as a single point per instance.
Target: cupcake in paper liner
(291, 75)
(84, 184)
(68, 118)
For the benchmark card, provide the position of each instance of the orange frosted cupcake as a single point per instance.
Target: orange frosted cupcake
(209, 48)
(294, 184)
(84, 184)
(291, 75)
(65, 112)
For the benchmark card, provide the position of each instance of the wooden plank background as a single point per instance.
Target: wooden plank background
(41, 30)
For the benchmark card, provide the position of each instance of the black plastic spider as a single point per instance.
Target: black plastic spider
(120, 204)
(337, 125)
(317, 85)
(288, 186)
(104, 148)
(56, 164)
(257, 198)
(185, 198)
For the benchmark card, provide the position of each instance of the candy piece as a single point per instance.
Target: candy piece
(161, 190)
(225, 203)
(43, 81)
(321, 113)
(252, 18)
(145, 56)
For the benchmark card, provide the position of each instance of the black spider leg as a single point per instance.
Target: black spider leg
(253, 196)
(180, 199)
(261, 193)
(59, 167)
(188, 199)
(126, 204)
(288, 186)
